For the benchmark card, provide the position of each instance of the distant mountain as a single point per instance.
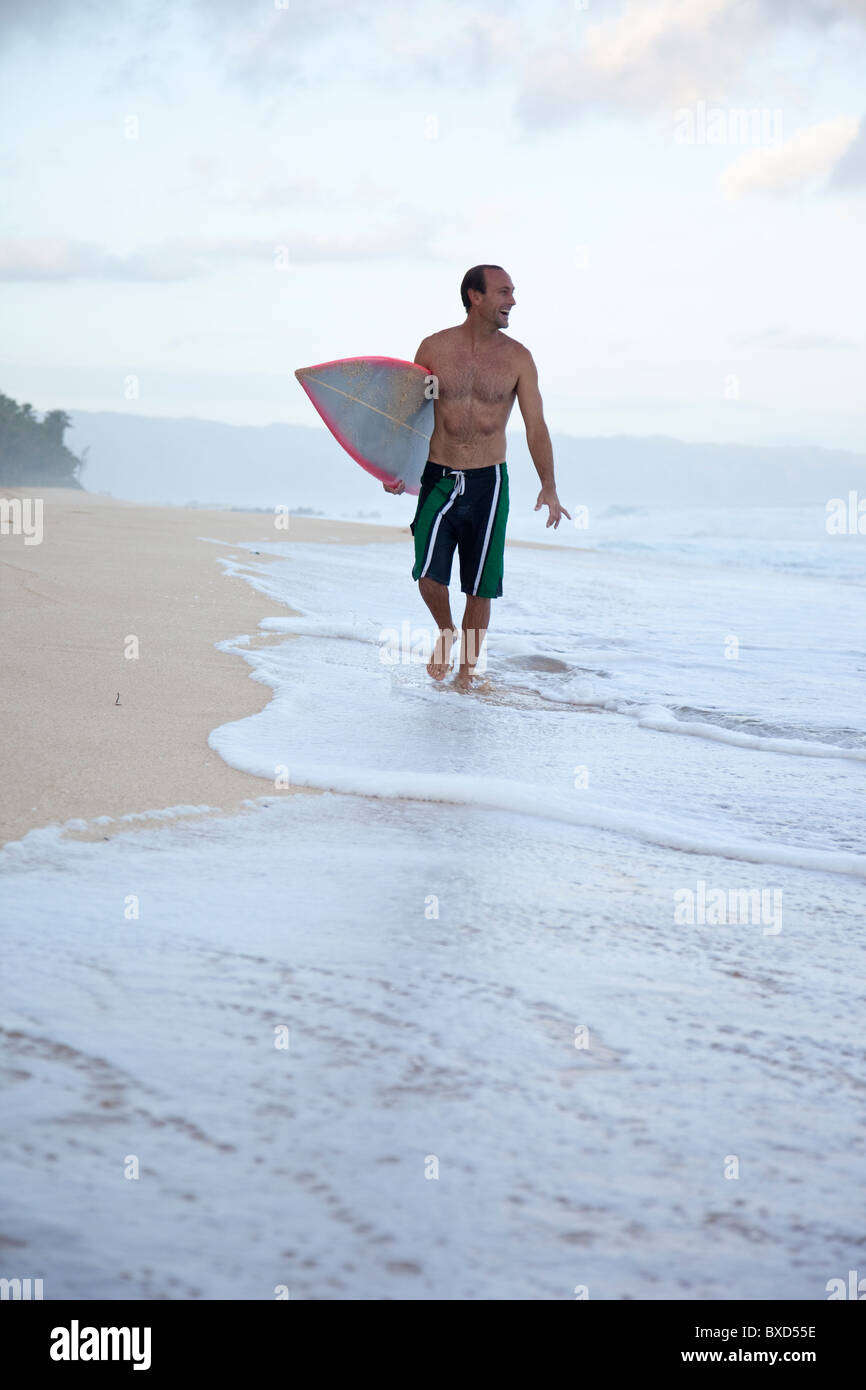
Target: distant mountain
(659, 471)
(180, 461)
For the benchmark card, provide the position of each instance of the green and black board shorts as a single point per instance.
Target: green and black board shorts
(466, 508)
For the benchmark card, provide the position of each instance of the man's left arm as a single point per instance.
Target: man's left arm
(538, 439)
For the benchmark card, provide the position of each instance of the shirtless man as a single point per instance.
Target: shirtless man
(463, 500)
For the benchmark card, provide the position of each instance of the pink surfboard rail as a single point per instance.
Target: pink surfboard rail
(378, 411)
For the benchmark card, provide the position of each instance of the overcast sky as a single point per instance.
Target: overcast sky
(206, 194)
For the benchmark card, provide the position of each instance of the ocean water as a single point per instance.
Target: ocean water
(569, 968)
(622, 692)
(787, 540)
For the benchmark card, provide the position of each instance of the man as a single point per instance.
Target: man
(463, 500)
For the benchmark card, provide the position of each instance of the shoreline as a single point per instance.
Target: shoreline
(107, 571)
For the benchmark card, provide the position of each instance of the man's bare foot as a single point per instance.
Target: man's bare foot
(468, 680)
(440, 662)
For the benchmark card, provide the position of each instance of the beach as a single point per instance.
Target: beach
(106, 570)
(548, 991)
(97, 732)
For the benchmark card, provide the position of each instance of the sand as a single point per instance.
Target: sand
(89, 732)
(105, 570)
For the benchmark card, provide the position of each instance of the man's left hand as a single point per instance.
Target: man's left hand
(548, 498)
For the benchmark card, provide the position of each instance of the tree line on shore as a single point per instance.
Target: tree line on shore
(32, 450)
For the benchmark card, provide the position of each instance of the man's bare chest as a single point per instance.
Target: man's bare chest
(487, 380)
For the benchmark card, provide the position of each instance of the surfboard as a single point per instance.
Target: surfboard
(377, 409)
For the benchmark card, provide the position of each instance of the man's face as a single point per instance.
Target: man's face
(497, 303)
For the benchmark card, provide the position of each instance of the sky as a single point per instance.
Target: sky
(200, 196)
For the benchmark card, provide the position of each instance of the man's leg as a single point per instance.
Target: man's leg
(481, 538)
(435, 595)
(476, 620)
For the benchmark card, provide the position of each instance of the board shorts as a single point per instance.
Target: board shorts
(466, 508)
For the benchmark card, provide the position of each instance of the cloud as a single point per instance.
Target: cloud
(447, 42)
(22, 18)
(660, 54)
(779, 170)
(254, 42)
(651, 57)
(257, 43)
(56, 259)
(821, 12)
(407, 235)
(850, 172)
(792, 340)
(252, 186)
(452, 46)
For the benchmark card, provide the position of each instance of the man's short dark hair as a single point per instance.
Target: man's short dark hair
(474, 280)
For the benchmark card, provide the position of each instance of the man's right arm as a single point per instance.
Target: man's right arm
(420, 360)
